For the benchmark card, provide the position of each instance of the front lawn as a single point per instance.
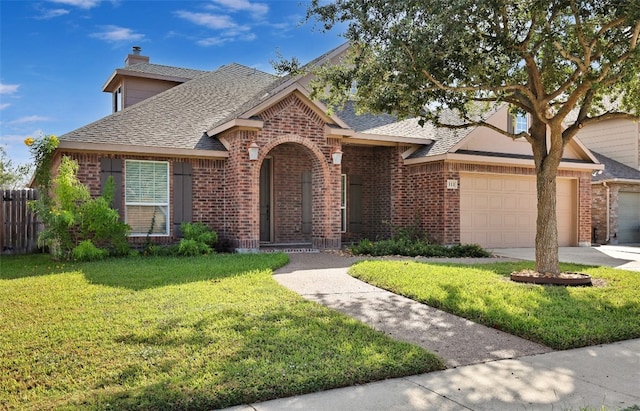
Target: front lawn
(558, 317)
(176, 333)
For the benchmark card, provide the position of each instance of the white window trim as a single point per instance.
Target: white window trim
(515, 123)
(343, 203)
(167, 204)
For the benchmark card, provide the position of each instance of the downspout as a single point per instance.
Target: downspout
(604, 184)
(224, 201)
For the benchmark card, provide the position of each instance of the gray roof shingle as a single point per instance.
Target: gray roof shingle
(614, 169)
(170, 71)
(178, 117)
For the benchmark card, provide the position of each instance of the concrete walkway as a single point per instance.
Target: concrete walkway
(489, 369)
(624, 257)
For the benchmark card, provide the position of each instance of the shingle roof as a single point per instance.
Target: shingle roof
(178, 117)
(148, 68)
(386, 124)
(614, 169)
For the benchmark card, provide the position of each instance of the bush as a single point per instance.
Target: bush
(416, 248)
(198, 239)
(71, 216)
(87, 251)
(191, 248)
(199, 232)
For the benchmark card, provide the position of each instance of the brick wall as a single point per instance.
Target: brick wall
(599, 212)
(289, 162)
(208, 188)
(293, 136)
(599, 206)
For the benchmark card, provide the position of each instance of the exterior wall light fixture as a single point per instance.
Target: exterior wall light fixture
(337, 156)
(253, 151)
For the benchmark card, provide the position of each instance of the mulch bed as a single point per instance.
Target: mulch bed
(565, 278)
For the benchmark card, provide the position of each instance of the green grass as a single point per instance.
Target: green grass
(559, 317)
(176, 333)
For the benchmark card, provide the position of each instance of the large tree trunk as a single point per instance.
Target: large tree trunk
(546, 224)
(547, 162)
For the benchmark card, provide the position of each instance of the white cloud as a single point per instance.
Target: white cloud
(115, 33)
(212, 21)
(8, 88)
(212, 41)
(4, 105)
(257, 10)
(52, 13)
(83, 4)
(29, 119)
(227, 29)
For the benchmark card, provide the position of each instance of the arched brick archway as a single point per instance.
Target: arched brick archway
(289, 152)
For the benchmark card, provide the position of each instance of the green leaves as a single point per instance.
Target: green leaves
(541, 57)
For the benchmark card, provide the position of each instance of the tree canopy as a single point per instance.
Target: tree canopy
(565, 63)
(415, 57)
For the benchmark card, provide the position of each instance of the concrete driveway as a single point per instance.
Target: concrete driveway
(625, 257)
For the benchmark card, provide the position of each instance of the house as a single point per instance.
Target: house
(252, 156)
(616, 191)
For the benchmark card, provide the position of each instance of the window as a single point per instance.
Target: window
(147, 197)
(521, 123)
(117, 100)
(343, 203)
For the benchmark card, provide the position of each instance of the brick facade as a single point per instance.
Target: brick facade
(226, 192)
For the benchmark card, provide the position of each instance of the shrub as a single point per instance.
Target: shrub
(71, 216)
(414, 248)
(199, 232)
(191, 248)
(87, 251)
(198, 239)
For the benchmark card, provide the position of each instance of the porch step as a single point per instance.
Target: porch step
(287, 248)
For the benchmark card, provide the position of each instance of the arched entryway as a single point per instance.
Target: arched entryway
(298, 189)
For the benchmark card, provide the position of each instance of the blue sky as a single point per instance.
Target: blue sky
(55, 55)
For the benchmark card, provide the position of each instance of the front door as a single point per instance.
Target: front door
(265, 201)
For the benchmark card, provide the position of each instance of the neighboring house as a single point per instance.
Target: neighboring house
(616, 191)
(253, 157)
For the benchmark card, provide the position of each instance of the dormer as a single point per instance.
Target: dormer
(139, 80)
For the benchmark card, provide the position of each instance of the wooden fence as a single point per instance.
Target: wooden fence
(19, 227)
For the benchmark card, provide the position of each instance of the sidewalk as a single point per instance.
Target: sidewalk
(624, 257)
(489, 370)
(573, 380)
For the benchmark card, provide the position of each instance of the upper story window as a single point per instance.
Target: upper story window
(117, 99)
(520, 123)
(147, 197)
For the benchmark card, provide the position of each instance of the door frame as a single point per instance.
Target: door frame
(267, 162)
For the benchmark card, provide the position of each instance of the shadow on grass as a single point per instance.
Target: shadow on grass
(32, 265)
(142, 273)
(294, 347)
(556, 316)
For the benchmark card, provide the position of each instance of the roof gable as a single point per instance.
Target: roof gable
(614, 170)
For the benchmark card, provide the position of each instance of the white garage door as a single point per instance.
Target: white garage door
(500, 210)
(628, 217)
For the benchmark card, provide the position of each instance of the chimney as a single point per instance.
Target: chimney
(135, 57)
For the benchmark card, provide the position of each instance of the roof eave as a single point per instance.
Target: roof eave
(114, 80)
(617, 180)
(383, 139)
(242, 123)
(134, 149)
(492, 160)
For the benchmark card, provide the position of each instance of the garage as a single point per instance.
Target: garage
(499, 210)
(628, 217)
